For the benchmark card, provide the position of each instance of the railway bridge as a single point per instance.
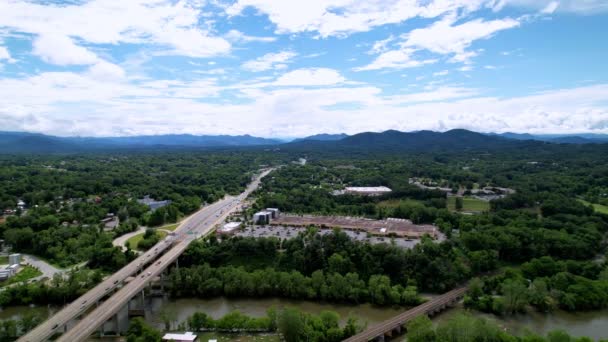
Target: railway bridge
(396, 325)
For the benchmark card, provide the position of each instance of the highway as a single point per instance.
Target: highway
(197, 225)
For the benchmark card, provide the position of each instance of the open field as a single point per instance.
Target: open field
(170, 227)
(393, 203)
(469, 204)
(597, 207)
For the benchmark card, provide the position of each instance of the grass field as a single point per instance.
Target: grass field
(134, 240)
(597, 207)
(395, 203)
(28, 272)
(3, 260)
(170, 227)
(469, 204)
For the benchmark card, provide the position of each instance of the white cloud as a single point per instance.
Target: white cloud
(310, 77)
(61, 50)
(6, 55)
(269, 61)
(441, 73)
(238, 36)
(550, 8)
(343, 17)
(443, 37)
(446, 37)
(395, 59)
(174, 26)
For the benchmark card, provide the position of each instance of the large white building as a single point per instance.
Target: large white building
(367, 190)
(185, 337)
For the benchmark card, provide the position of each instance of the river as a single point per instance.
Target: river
(593, 324)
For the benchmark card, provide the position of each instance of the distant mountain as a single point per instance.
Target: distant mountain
(23, 142)
(420, 141)
(323, 137)
(583, 138)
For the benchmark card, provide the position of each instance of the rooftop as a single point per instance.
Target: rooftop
(187, 336)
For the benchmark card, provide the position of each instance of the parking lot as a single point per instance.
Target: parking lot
(287, 232)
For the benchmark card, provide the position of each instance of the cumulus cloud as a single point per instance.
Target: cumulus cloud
(61, 50)
(343, 17)
(443, 37)
(310, 77)
(395, 59)
(269, 61)
(6, 55)
(167, 24)
(237, 36)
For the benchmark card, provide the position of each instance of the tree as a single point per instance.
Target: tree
(515, 296)
(291, 324)
(458, 203)
(420, 329)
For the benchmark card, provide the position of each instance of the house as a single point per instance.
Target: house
(185, 337)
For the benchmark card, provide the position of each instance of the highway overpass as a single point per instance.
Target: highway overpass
(144, 268)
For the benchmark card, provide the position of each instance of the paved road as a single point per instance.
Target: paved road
(120, 241)
(47, 269)
(200, 223)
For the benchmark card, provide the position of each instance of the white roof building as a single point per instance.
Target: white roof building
(367, 190)
(185, 337)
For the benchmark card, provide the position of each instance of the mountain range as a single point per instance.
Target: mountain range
(457, 139)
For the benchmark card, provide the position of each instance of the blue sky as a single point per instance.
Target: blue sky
(277, 68)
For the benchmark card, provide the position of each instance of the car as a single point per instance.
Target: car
(143, 275)
(158, 263)
(107, 289)
(149, 273)
(83, 303)
(115, 282)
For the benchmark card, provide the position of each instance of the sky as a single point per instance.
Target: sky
(292, 68)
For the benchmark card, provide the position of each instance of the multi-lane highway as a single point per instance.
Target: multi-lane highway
(198, 224)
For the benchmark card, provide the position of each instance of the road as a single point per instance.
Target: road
(198, 224)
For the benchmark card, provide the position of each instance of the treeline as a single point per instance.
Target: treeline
(57, 291)
(292, 324)
(11, 329)
(230, 281)
(429, 265)
(67, 196)
(466, 328)
(544, 284)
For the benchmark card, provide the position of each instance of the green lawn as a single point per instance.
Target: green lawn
(134, 240)
(170, 227)
(597, 207)
(28, 272)
(3, 260)
(469, 204)
(393, 203)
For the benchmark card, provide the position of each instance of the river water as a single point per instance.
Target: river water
(593, 324)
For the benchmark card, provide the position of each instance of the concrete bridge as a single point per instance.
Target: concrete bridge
(100, 306)
(396, 325)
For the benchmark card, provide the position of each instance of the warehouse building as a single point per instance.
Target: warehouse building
(367, 190)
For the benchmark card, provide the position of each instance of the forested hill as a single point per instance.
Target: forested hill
(420, 141)
(21, 142)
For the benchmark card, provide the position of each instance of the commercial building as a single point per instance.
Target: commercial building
(274, 212)
(229, 228)
(152, 203)
(185, 337)
(367, 190)
(14, 259)
(262, 217)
